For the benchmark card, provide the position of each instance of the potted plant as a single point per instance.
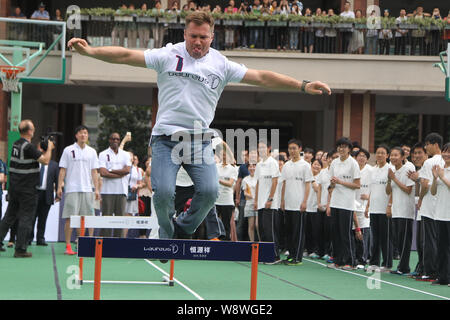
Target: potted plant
(146, 16)
(84, 14)
(278, 20)
(124, 15)
(361, 23)
(234, 19)
(320, 22)
(253, 20)
(101, 14)
(170, 17)
(345, 23)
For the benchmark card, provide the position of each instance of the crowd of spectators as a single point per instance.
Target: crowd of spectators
(309, 39)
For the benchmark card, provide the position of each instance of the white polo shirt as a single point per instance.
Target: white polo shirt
(324, 181)
(249, 185)
(227, 172)
(311, 203)
(403, 204)
(443, 198)
(429, 201)
(364, 189)
(265, 171)
(378, 196)
(109, 160)
(78, 163)
(347, 170)
(295, 174)
(189, 88)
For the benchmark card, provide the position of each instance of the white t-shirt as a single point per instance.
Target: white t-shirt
(402, 203)
(442, 212)
(227, 172)
(348, 14)
(183, 178)
(109, 160)
(366, 173)
(311, 203)
(189, 88)
(264, 172)
(324, 181)
(78, 164)
(249, 184)
(347, 170)
(378, 196)
(277, 195)
(134, 176)
(429, 201)
(295, 174)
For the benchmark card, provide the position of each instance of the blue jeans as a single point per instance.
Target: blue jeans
(200, 166)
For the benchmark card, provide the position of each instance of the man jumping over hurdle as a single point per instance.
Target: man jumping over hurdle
(191, 78)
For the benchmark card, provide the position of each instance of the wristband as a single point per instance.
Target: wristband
(270, 199)
(304, 83)
(357, 229)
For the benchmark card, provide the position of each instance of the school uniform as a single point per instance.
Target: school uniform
(380, 224)
(342, 204)
(429, 225)
(362, 248)
(224, 203)
(295, 175)
(314, 222)
(265, 171)
(403, 208)
(442, 216)
(324, 182)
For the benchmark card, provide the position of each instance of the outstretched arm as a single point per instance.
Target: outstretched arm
(109, 54)
(270, 79)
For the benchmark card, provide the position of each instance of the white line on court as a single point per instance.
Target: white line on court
(384, 281)
(174, 279)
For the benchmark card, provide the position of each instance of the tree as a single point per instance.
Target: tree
(396, 129)
(121, 119)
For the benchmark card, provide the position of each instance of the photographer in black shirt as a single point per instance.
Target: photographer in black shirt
(23, 194)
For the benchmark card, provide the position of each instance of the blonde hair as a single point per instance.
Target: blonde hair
(200, 18)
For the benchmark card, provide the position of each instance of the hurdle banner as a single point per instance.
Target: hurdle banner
(171, 249)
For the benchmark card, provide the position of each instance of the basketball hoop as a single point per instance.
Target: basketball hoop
(10, 79)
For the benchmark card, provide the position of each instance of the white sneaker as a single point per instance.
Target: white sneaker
(359, 266)
(373, 268)
(286, 253)
(331, 266)
(305, 254)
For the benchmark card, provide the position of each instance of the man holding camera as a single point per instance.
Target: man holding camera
(48, 183)
(23, 194)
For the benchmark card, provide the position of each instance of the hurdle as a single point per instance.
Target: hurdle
(116, 222)
(171, 249)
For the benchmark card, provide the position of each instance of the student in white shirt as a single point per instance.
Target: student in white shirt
(114, 165)
(315, 247)
(400, 187)
(377, 207)
(135, 182)
(249, 190)
(267, 173)
(427, 206)
(324, 182)
(277, 206)
(361, 222)
(78, 175)
(347, 33)
(191, 78)
(441, 189)
(419, 155)
(227, 174)
(345, 179)
(297, 176)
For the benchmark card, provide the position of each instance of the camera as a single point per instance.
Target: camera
(49, 136)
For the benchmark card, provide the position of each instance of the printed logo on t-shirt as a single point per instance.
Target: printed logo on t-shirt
(213, 81)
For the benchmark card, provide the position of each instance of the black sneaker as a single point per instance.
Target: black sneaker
(438, 282)
(163, 261)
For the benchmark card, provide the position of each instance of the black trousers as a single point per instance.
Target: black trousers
(400, 46)
(225, 213)
(362, 246)
(242, 223)
(282, 232)
(318, 233)
(268, 219)
(430, 247)
(41, 215)
(295, 233)
(21, 208)
(444, 251)
(381, 227)
(309, 241)
(403, 228)
(418, 41)
(342, 236)
(419, 247)
(147, 213)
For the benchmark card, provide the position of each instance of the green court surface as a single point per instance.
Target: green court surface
(49, 275)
